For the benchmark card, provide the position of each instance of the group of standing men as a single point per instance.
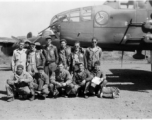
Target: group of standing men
(50, 71)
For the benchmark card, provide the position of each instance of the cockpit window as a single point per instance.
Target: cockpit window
(86, 13)
(74, 16)
(127, 4)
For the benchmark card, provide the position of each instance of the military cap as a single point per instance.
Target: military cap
(40, 68)
(20, 66)
(97, 63)
(47, 37)
(37, 44)
(79, 63)
(63, 40)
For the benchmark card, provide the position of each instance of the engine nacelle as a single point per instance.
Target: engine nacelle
(139, 55)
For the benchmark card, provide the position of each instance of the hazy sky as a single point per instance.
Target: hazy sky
(18, 18)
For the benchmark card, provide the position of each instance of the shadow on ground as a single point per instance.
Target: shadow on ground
(140, 80)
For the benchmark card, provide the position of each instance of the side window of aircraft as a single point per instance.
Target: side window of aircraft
(86, 14)
(74, 16)
(127, 4)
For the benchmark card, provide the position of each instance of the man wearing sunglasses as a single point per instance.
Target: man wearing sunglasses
(93, 54)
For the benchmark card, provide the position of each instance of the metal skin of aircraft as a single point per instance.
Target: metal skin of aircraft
(117, 25)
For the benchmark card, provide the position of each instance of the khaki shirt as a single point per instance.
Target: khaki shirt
(61, 77)
(78, 76)
(41, 80)
(25, 76)
(98, 73)
(78, 57)
(51, 54)
(93, 56)
(31, 58)
(19, 57)
(64, 56)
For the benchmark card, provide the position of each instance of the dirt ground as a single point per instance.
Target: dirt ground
(134, 80)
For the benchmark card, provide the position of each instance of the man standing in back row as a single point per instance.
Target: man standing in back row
(19, 57)
(65, 54)
(51, 56)
(93, 54)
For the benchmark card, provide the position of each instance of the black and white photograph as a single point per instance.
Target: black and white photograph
(75, 59)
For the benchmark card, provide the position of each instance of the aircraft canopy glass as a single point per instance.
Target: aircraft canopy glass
(76, 15)
(127, 4)
(86, 13)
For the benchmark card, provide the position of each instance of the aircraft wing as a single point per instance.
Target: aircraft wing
(8, 40)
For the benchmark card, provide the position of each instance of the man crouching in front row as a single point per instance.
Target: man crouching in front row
(60, 82)
(40, 84)
(81, 81)
(19, 84)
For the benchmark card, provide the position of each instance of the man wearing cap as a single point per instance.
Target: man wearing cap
(99, 73)
(19, 83)
(64, 54)
(51, 56)
(61, 82)
(81, 80)
(19, 57)
(27, 44)
(31, 60)
(77, 56)
(93, 54)
(40, 59)
(41, 82)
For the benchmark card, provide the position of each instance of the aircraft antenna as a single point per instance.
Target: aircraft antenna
(122, 58)
(125, 32)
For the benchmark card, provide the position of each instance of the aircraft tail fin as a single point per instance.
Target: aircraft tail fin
(29, 35)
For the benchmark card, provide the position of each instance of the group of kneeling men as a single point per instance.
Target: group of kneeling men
(49, 71)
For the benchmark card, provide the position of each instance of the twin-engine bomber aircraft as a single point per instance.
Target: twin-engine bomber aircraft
(117, 25)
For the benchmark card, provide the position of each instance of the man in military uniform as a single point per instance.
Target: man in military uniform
(40, 59)
(64, 54)
(35, 58)
(51, 56)
(77, 56)
(81, 81)
(41, 82)
(93, 54)
(19, 83)
(27, 44)
(31, 60)
(19, 57)
(61, 82)
(99, 73)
